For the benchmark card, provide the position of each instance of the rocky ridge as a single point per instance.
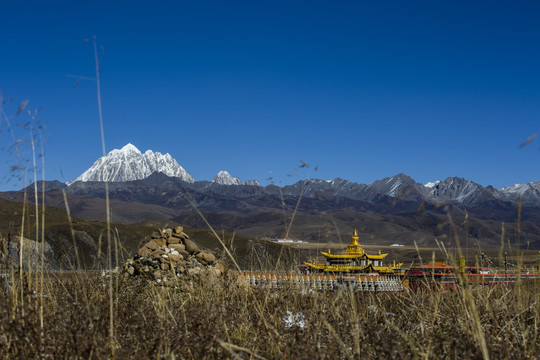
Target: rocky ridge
(172, 259)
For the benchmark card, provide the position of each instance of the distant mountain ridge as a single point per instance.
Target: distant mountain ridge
(390, 210)
(390, 195)
(332, 206)
(453, 190)
(394, 209)
(129, 164)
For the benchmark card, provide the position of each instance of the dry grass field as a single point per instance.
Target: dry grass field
(227, 320)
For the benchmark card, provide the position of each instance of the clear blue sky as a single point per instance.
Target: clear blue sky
(362, 90)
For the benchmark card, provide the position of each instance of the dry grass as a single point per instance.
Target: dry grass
(225, 320)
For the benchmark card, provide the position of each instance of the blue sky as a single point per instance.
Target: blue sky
(360, 90)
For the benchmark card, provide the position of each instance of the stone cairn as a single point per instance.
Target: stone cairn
(170, 258)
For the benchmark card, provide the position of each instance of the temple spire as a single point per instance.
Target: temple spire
(354, 238)
(354, 246)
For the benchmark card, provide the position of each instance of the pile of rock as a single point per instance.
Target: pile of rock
(170, 258)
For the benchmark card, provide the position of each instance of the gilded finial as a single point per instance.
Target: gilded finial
(354, 238)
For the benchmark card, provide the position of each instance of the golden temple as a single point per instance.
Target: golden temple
(355, 260)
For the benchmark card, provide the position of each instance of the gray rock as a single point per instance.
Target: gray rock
(178, 230)
(177, 247)
(191, 247)
(144, 251)
(174, 240)
(194, 271)
(205, 257)
(152, 245)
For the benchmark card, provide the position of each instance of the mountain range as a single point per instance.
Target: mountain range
(152, 186)
(129, 164)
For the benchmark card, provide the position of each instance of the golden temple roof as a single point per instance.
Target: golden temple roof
(354, 250)
(348, 262)
(353, 256)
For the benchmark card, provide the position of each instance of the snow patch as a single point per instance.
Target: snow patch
(253, 183)
(293, 319)
(467, 191)
(516, 189)
(432, 184)
(394, 190)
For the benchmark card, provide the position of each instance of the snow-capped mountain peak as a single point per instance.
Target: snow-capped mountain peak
(125, 151)
(529, 193)
(130, 148)
(128, 164)
(516, 189)
(432, 184)
(224, 178)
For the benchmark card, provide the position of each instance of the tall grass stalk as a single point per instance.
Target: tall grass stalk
(214, 233)
(289, 225)
(107, 201)
(16, 145)
(72, 231)
(36, 194)
(42, 230)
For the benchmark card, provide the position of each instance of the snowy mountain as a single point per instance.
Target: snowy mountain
(530, 193)
(253, 183)
(518, 189)
(129, 164)
(224, 178)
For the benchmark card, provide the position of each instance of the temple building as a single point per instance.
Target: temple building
(355, 260)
